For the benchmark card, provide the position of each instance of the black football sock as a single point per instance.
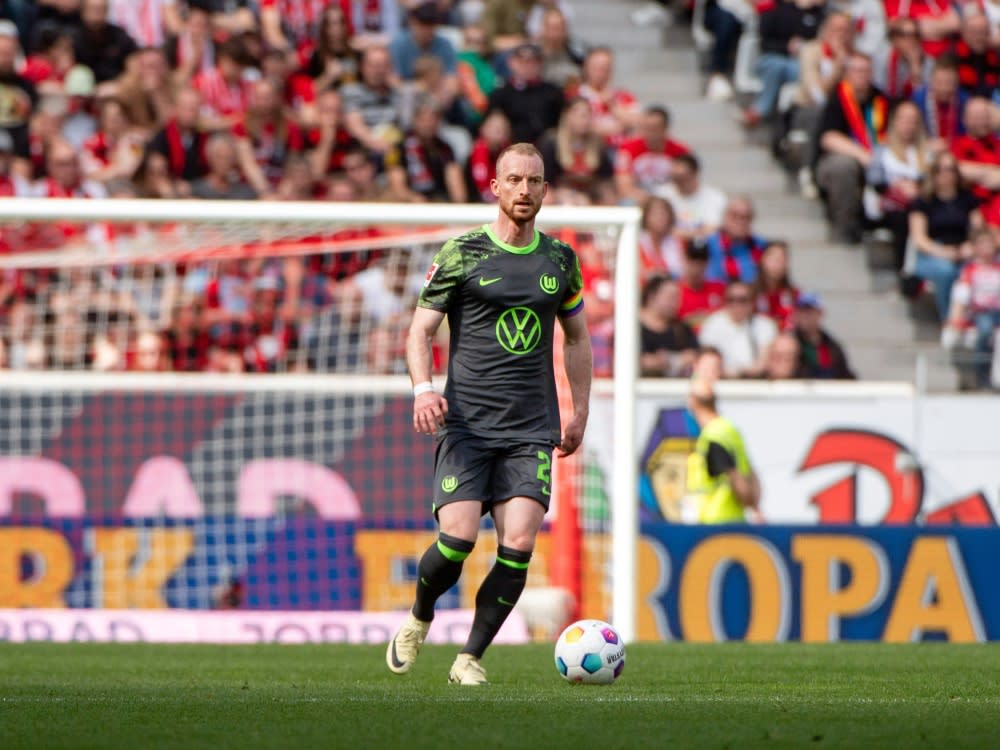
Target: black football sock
(438, 571)
(497, 596)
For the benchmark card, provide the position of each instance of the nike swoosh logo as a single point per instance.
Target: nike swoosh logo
(505, 602)
(392, 655)
(487, 282)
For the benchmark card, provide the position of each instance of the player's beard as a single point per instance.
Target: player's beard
(517, 210)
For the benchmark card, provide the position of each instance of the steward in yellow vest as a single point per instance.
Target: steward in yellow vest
(719, 474)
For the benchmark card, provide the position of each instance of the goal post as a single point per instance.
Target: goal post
(188, 233)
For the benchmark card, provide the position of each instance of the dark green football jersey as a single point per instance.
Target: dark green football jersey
(502, 302)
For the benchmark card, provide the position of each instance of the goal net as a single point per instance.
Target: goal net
(204, 405)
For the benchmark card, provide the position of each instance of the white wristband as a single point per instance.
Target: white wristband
(421, 388)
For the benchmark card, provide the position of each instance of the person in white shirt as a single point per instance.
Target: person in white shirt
(698, 208)
(741, 336)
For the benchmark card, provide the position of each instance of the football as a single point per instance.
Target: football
(590, 652)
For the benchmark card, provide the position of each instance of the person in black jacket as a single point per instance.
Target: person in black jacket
(822, 356)
(99, 44)
(531, 104)
(783, 30)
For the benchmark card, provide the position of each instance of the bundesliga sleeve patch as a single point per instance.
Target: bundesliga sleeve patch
(430, 274)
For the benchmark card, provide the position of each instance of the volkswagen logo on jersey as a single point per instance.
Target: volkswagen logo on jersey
(549, 283)
(519, 330)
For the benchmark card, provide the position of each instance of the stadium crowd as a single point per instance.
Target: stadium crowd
(890, 111)
(411, 101)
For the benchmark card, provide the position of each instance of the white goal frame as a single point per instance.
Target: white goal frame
(624, 481)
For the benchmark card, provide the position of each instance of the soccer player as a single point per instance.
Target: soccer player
(502, 287)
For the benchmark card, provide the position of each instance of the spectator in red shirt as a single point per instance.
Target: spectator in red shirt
(774, 291)
(616, 110)
(52, 58)
(480, 168)
(937, 20)
(265, 138)
(116, 149)
(699, 296)
(642, 164)
(660, 252)
(146, 21)
(901, 67)
(224, 91)
(978, 151)
(975, 300)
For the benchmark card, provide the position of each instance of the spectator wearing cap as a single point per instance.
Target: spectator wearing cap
(699, 296)
(373, 106)
(78, 121)
(182, 141)
(99, 44)
(734, 251)
(223, 180)
(698, 207)
(616, 110)
(740, 335)
(667, 345)
(531, 104)
(822, 356)
(18, 97)
(423, 166)
(643, 163)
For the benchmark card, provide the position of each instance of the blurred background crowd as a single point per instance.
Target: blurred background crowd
(888, 113)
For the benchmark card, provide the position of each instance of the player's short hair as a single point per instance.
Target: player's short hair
(524, 149)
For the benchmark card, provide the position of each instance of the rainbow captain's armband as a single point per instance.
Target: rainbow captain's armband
(572, 306)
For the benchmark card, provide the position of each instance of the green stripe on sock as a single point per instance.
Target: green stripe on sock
(513, 564)
(452, 554)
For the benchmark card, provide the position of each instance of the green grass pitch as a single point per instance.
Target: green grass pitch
(737, 696)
